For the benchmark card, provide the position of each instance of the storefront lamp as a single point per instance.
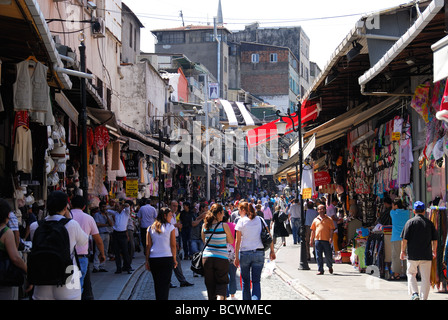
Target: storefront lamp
(281, 127)
(281, 130)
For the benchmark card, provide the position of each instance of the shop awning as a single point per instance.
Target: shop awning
(67, 106)
(425, 17)
(238, 116)
(268, 131)
(338, 128)
(104, 117)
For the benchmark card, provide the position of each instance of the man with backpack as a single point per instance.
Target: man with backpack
(52, 265)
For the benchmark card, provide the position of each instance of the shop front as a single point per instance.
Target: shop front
(36, 128)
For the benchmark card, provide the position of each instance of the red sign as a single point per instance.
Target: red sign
(322, 178)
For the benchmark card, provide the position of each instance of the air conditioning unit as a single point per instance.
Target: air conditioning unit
(98, 28)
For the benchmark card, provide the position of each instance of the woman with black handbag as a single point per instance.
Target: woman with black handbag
(12, 266)
(216, 234)
(249, 250)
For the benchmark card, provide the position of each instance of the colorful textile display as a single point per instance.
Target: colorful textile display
(439, 218)
(101, 137)
(420, 101)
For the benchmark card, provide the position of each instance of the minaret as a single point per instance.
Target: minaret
(219, 20)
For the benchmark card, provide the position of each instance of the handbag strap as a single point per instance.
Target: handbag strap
(263, 225)
(208, 240)
(3, 231)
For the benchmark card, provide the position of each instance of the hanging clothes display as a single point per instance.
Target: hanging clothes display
(31, 90)
(101, 137)
(308, 188)
(374, 252)
(438, 216)
(23, 149)
(360, 180)
(421, 101)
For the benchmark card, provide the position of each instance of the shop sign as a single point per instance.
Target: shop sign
(307, 193)
(322, 178)
(164, 167)
(132, 188)
(168, 183)
(131, 169)
(396, 136)
(213, 90)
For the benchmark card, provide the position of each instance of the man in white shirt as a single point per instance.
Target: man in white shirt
(120, 236)
(295, 213)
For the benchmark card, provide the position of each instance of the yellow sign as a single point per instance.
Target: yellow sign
(396, 136)
(132, 188)
(307, 193)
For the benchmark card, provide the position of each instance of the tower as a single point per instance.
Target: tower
(219, 20)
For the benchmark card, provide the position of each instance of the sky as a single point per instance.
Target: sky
(326, 22)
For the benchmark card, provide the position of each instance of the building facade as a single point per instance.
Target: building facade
(293, 38)
(199, 44)
(269, 72)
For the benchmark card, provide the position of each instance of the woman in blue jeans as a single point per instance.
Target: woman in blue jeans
(249, 252)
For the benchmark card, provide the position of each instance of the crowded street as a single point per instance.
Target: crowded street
(212, 150)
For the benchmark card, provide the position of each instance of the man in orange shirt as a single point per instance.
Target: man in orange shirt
(321, 238)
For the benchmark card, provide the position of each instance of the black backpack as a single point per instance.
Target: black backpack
(50, 262)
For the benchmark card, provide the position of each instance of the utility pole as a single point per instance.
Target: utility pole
(83, 119)
(182, 16)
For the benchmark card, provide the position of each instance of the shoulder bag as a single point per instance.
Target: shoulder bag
(10, 274)
(266, 237)
(196, 261)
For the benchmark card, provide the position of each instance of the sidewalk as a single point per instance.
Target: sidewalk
(111, 286)
(346, 282)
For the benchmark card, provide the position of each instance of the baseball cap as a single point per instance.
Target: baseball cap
(418, 205)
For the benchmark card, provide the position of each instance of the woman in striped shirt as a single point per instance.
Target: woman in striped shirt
(215, 256)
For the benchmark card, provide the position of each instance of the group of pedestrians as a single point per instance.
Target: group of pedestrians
(233, 237)
(414, 243)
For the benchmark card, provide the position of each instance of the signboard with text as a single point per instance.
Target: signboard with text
(321, 178)
(132, 188)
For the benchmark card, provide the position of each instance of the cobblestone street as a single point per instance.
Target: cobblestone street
(272, 287)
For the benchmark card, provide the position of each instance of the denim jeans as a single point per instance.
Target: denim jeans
(251, 264)
(83, 264)
(105, 237)
(185, 234)
(231, 289)
(196, 245)
(295, 226)
(323, 247)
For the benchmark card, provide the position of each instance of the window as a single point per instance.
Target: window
(208, 37)
(171, 37)
(255, 58)
(273, 57)
(109, 99)
(130, 35)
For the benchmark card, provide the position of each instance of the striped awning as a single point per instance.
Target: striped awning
(238, 116)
